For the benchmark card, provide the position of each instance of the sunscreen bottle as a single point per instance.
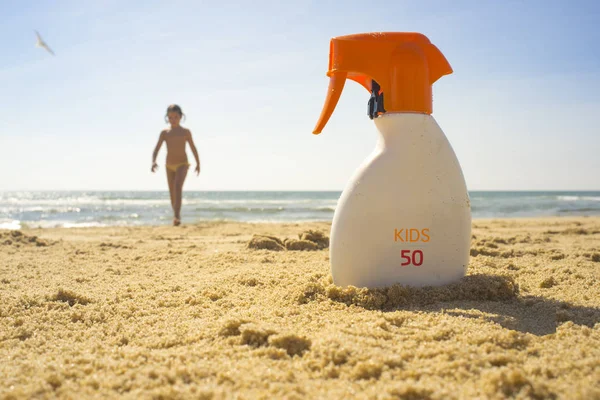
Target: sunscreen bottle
(405, 216)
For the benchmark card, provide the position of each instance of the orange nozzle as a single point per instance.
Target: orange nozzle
(336, 85)
(404, 65)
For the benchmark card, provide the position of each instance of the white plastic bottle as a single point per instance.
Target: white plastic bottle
(405, 216)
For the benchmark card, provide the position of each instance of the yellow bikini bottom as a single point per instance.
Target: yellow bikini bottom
(175, 167)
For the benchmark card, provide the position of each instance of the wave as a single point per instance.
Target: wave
(43, 224)
(578, 198)
(568, 198)
(11, 225)
(576, 210)
(267, 210)
(81, 201)
(46, 210)
(42, 204)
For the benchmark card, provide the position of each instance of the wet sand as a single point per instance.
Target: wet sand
(192, 312)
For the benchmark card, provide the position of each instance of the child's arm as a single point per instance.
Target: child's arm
(193, 147)
(161, 139)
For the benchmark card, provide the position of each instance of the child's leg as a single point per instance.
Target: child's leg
(171, 181)
(180, 176)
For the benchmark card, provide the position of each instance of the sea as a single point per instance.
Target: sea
(69, 209)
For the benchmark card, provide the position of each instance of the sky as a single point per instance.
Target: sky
(521, 109)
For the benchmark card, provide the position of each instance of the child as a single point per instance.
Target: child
(177, 162)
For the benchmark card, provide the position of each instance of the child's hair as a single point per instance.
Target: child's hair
(174, 108)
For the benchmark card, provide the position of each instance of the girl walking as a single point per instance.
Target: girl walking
(177, 163)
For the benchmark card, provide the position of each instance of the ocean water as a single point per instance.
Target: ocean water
(88, 208)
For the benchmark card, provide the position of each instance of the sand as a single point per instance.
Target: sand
(192, 312)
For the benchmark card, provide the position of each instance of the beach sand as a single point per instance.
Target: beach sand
(192, 312)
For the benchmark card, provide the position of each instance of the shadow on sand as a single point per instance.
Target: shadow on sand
(498, 297)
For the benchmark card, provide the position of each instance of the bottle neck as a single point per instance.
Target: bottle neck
(400, 128)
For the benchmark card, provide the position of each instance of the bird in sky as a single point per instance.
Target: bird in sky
(41, 43)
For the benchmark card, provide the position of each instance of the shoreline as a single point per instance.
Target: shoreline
(316, 221)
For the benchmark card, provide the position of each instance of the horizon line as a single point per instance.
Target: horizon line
(275, 190)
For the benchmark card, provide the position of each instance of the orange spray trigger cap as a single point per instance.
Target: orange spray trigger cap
(401, 66)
